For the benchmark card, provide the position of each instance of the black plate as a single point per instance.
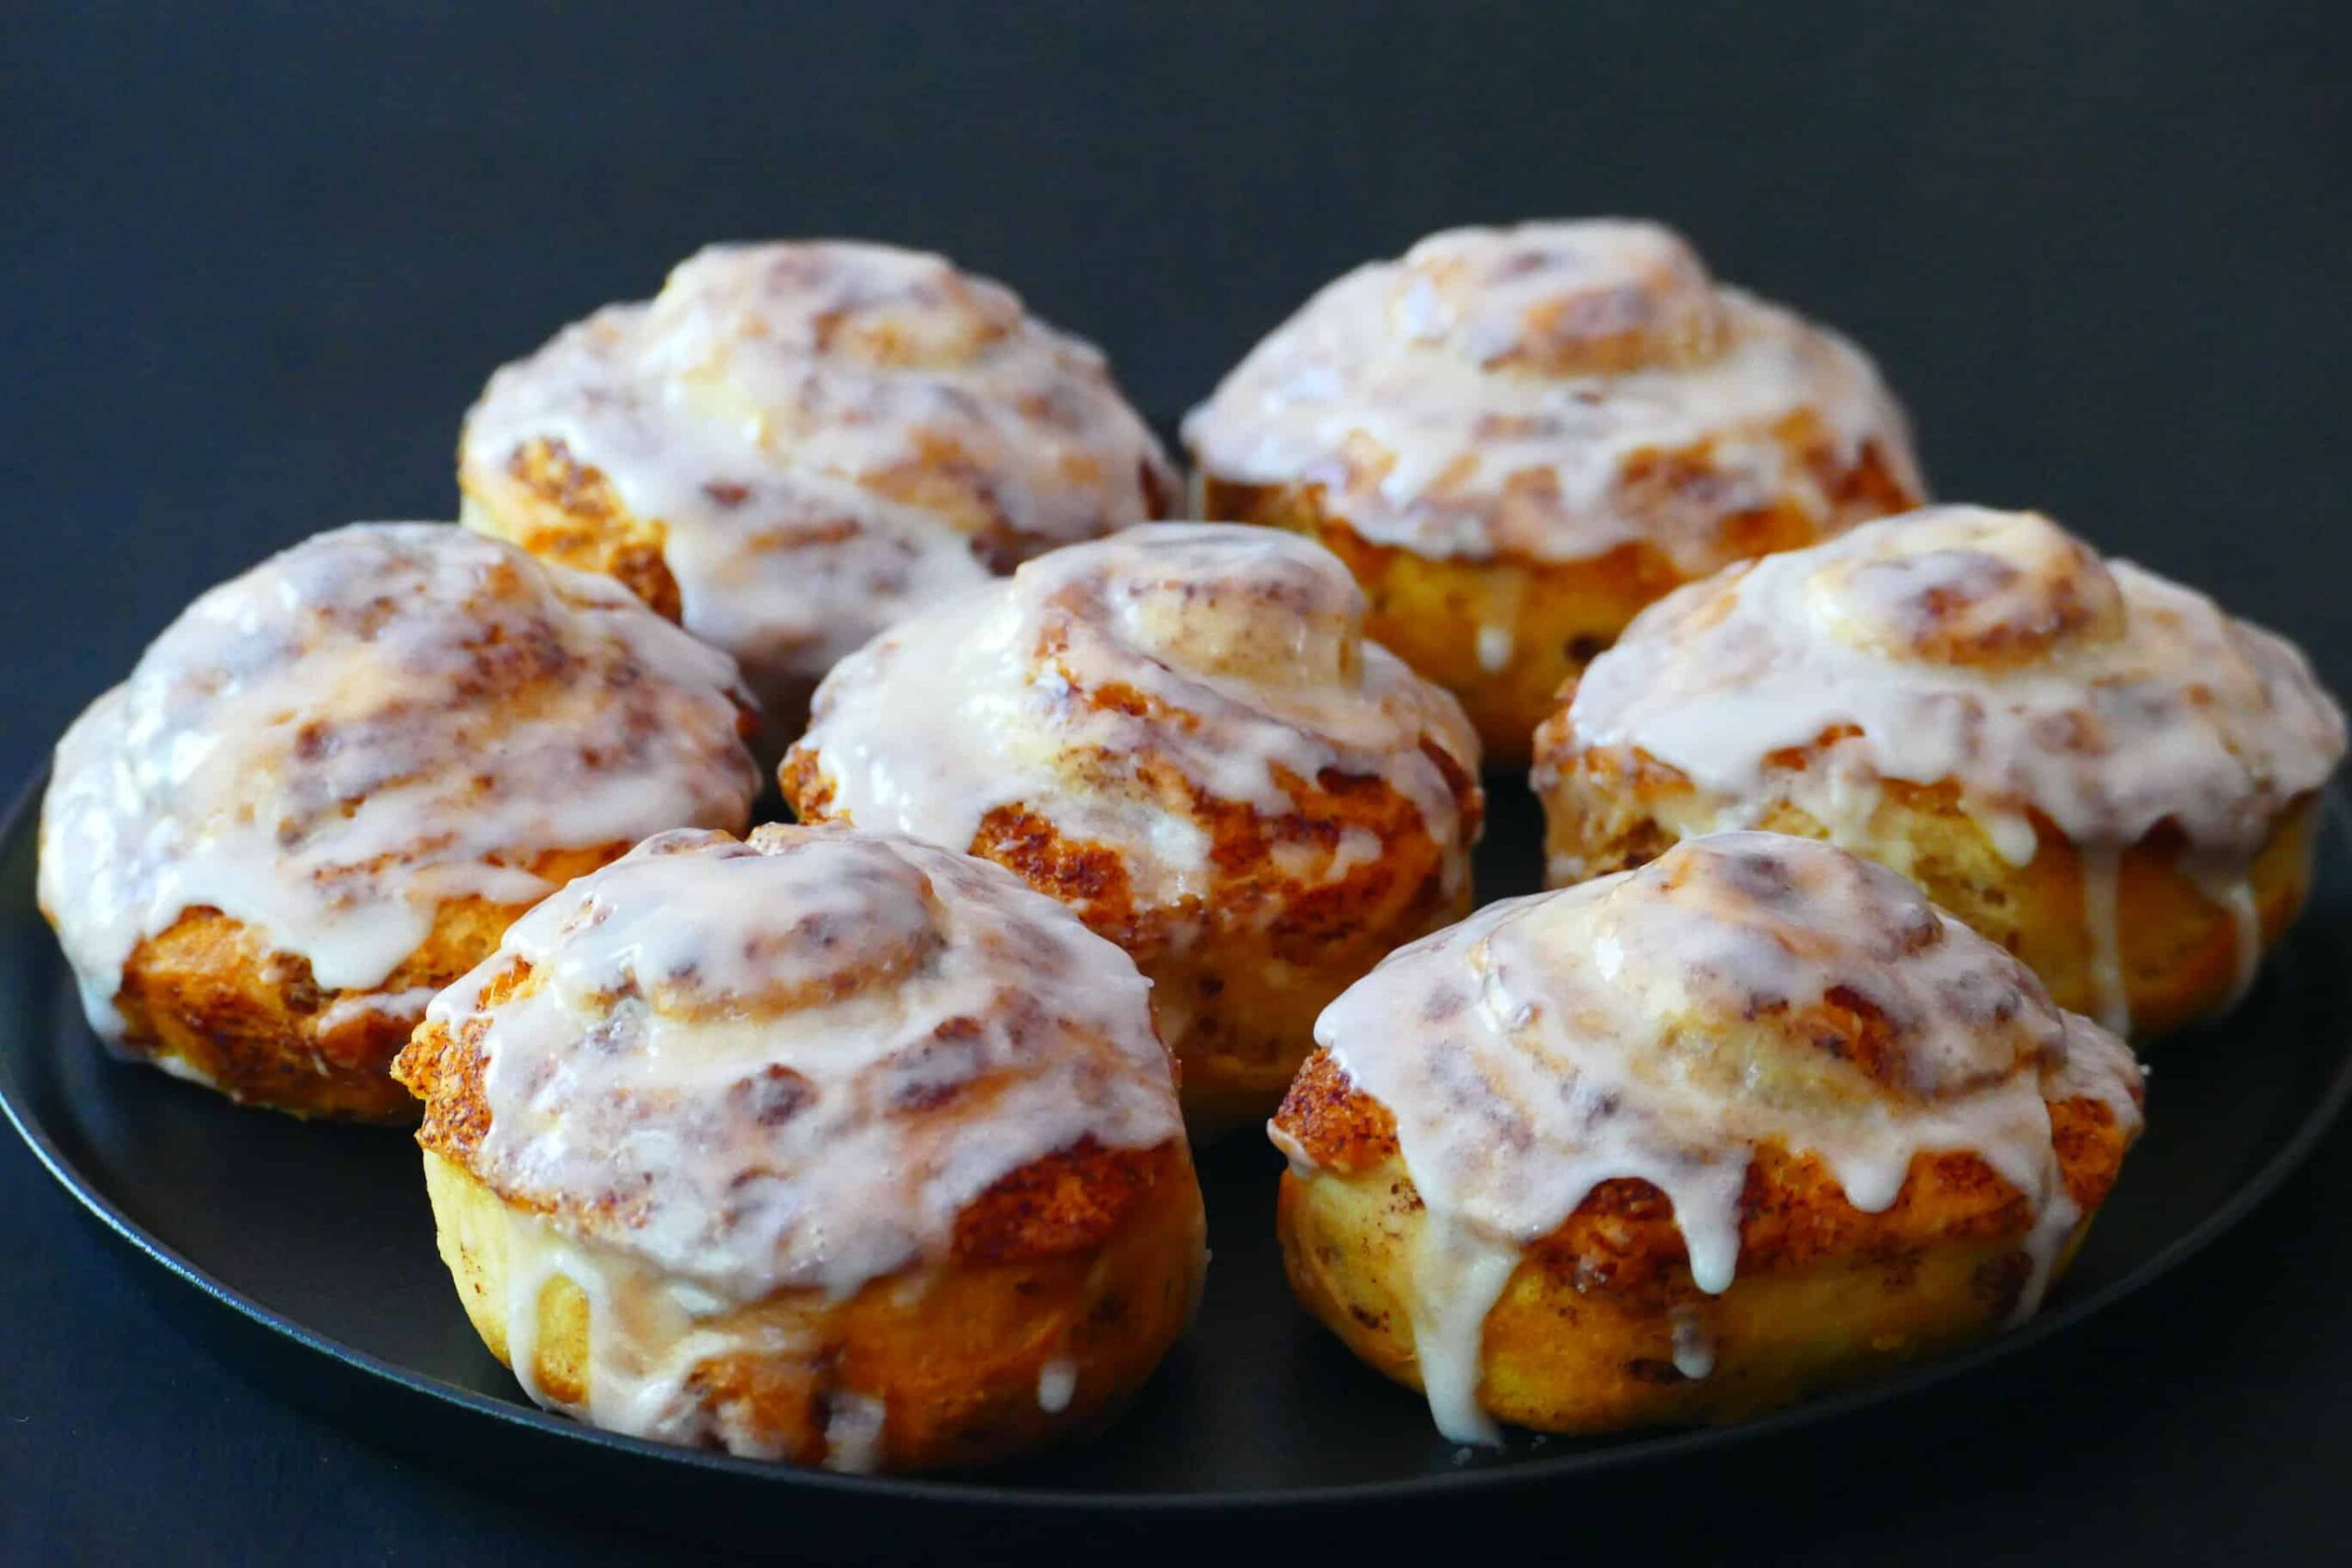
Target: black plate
(310, 1251)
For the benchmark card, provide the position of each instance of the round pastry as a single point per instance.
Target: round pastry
(1685, 1143)
(330, 784)
(824, 1147)
(794, 445)
(1517, 437)
(2094, 767)
(1182, 733)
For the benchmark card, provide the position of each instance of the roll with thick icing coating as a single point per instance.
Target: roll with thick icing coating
(1184, 734)
(1685, 1143)
(1517, 437)
(2096, 768)
(796, 443)
(823, 1147)
(332, 781)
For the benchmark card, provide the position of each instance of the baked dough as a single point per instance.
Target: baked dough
(1685, 1143)
(330, 784)
(2096, 768)
(796, 443)
(1182, 733)
(1517, 437)
(820, 1147)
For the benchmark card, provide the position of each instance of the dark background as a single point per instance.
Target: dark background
(257, 264)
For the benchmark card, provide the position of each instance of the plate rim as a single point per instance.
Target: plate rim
(22, 818)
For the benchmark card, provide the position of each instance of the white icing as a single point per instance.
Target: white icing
(1490, 392)
(1494, 648)
(831, 435)
(644, 1345)
(382, 718)
(2140, 701)
(2235, 894)
(2103, 922)
(1650, 1025)
(407, 1005)
(1694, 1348)
(1057, 1385)
(1987, 649)
(786, 1065)
(853, 1433)
(1247, 647)
(1458, 1276)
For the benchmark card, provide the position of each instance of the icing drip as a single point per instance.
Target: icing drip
(2102, 921)
(1494, 648)
(1694, 1348)
(1660, 1025)
(1232, 655)
(2234, 890)
(829, 434)
(785, 1065)
(380, 719)
(1987, 648)
(853, 1433)
(1504, 389)
(644, 1344)
(1057, 1385)
(1458, 1276)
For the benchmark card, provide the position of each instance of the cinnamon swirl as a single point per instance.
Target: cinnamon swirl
(330, 784)
(2096, 768)
(1517, 437)
(821, 1147)
(1182, 733)
(1684, 1143)
(796, 443)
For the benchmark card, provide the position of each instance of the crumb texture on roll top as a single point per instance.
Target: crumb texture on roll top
(381, 722)
(722, 1087)
(1552, 391)
(1133, 691)
(795, 443)
(1744, 992)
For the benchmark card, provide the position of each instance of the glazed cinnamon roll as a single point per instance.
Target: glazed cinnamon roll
(2094, 767)
(1686, 1143)
(1182, 733)
(1517, 437)
(330, 784)
(820, 1147)
(796, 443)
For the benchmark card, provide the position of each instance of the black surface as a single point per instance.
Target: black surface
(1256, 1408)
(255, 265)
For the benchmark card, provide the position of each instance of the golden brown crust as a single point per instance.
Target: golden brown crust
(1559, 1354)
(1064, 1203)
(959, 1354)
(797, 443)
(1559, 616)
(1794, 1215)
(210, 995)
(567, 511)
(1586, 1336)
(1610, 809)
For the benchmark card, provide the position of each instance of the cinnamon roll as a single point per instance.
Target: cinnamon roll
(2094, 767)
(796, 443)
(330, 784)
(1685, 1143)
(823, 1147)
(1517, 437)
(1182, 733)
